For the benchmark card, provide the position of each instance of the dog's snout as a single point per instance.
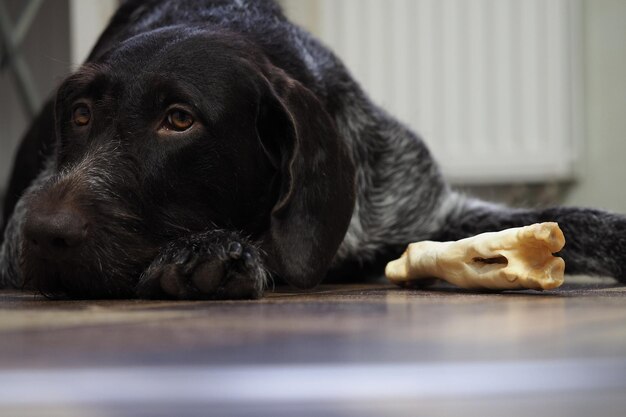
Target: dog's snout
(57, 233)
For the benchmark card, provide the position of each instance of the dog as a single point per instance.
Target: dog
(207, 146)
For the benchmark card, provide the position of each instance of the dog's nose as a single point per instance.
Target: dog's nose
(55, 234)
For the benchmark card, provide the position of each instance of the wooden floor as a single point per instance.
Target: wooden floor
(350, 350)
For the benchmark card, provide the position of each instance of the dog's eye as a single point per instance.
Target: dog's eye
(81, 115)
(178, 120)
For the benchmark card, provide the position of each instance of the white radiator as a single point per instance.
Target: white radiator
(493, 86)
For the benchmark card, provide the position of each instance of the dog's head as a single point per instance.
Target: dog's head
(178, 131)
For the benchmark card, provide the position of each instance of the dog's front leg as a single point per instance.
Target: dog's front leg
(215, 264)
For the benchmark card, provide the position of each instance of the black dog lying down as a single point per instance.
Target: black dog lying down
(208, 145)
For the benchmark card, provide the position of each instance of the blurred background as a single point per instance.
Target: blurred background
(521, 101)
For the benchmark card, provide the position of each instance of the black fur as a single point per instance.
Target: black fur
(290, 171)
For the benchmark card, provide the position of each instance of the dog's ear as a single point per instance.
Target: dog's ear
(316, 194)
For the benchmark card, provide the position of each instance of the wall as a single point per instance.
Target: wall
(603, 164)
(88, 18)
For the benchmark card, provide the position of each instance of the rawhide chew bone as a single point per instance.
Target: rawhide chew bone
(518, 258)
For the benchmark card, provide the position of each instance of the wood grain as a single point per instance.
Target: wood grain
(578, 329)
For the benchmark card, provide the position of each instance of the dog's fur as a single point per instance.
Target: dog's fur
(290, 171)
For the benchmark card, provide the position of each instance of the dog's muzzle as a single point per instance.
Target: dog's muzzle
(56, 233)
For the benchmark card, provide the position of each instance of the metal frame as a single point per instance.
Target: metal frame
(11, 38)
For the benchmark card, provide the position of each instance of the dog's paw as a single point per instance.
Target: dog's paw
(212, 265)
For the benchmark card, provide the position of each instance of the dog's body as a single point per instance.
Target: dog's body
(287, 168)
